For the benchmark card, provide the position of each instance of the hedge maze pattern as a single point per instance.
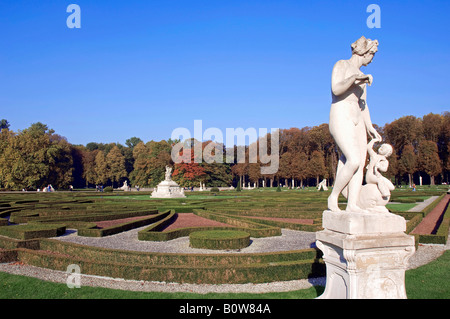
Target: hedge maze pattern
(35, 219)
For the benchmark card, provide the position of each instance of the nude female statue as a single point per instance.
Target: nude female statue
(350, 122)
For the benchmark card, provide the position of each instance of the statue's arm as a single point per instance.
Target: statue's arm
(370, 150)
(367, 121)
(339, 83)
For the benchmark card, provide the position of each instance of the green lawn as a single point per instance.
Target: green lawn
(21, 287)
(431, 281)
(402, 207)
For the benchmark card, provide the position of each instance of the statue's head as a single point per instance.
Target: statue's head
(385, 150)
(365, 48)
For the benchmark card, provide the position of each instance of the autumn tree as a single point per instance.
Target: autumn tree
(432, 125)
(116, 165)
(300, 167)
(140, 174)
(407, 130)
(444, 145)
(150, 162)
(101, 168)
(316, 166)
(407, 164)
(428, 159)
(217, 170)
(88, 161)
(240, 170)
(188, 173)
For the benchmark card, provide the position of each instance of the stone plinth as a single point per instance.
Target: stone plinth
(168, 189)
(366, 255)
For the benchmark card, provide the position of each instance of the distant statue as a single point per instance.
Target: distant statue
(168, 188)
(168, 173)
(125, 186)
(350, 122)
(322, 185)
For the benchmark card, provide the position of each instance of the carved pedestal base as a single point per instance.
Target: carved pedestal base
(168, 189)
(364, 265)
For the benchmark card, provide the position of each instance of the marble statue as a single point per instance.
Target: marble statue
(125, 186)
(365, 248)
(168, 176)
(168, 188)
(375, 194)
(322, 185)
(350, 122)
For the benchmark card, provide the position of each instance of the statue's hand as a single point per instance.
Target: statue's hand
(365, 78)
(376, 136)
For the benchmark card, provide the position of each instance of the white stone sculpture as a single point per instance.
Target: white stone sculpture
(168, 188)
(350, 121)
(168, 174)
(376, 193)
(322, 184)
(125, 186)
(365, 247)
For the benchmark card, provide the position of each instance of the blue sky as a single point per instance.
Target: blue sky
(144, 68)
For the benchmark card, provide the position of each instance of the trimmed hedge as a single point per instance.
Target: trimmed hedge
(8, 256)
(153, 232)
(217, 274)
(11, 243)
(219, 239)
(30, 231)
(441, 234)
(183, 268)
(166, 259)
(255, 229)
(180, 209)
(94, 232)
(87, 217)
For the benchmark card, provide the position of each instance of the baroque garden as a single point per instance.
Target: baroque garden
(239, 227)
(48, 230)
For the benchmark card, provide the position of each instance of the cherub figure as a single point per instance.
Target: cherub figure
(379, 163)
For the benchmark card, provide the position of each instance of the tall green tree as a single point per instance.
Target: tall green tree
(34, 158)
(4, 124)
(132, 142)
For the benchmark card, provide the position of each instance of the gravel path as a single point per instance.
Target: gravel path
(419, 207)
(289, 240)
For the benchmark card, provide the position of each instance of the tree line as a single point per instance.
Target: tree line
(36, 157)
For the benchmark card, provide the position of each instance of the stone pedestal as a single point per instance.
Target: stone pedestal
(366, 255)
(168, 189)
